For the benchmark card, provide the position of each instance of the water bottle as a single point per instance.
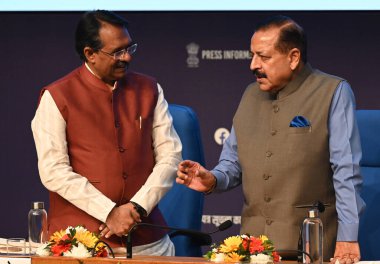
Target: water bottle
(312, 238)
(37, 225)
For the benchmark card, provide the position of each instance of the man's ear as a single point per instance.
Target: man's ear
(89, 53)
(294, 58)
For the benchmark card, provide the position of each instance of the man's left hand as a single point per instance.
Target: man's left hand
(120, 220)
(346, 253)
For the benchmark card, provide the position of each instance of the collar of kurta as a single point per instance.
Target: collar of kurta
(94, 79)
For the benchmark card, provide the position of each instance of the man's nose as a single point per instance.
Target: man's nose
(255, 64)
(126, 57)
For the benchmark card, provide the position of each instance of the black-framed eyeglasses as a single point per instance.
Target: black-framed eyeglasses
(121, 53)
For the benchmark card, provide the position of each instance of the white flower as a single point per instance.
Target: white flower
(78, 252)
(261, 259)
(219, 257)
(43, 251)
(67, 231)
(80, 229)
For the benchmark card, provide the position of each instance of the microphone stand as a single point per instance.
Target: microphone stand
(128, 244)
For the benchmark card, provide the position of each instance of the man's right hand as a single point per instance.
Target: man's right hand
(120, 220)
(195, 176)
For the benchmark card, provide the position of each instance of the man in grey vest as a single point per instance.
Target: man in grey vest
(294, 141)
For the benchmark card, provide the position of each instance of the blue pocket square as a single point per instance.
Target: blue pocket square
(299, 121)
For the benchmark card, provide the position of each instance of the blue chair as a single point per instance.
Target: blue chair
(181, 206)
(369, 230)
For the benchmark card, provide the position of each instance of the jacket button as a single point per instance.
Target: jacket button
(276, 108)
(121, 149)
(266, 176)
(267, 199)
(124, 175)
(273, 132)
(268, 154)
(117, 124)
(268, 221)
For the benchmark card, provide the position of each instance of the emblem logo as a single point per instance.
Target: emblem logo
(192, 59)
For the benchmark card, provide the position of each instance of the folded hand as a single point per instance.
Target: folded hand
(120, 220)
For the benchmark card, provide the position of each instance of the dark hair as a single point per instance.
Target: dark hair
(87, 32)
(291, 35)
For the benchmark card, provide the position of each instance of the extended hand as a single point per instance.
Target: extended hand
(346, 253)
(194, 176)
(120, 220)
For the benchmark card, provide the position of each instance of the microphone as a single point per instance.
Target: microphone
(202, 238)
(318, 205)
(223, 226)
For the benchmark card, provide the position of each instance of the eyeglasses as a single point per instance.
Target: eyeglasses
(121, 53)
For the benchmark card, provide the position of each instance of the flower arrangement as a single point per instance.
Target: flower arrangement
(73, 242)
(244, 248)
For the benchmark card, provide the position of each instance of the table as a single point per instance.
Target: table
(134, 260)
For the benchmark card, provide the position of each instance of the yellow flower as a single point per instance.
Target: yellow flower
(263, 238)
(233, 257)
(99, 246)
(57, 236)
(86, 238)
(231, 244)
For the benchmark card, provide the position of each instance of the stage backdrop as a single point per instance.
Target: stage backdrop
(200, 58)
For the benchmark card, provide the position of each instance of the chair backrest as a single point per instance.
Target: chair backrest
(181, 206)
(369, 230)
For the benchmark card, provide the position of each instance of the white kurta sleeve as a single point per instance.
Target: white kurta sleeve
(167, 150)
(57, 175)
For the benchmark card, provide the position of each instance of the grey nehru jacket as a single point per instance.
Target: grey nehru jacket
(285, 166)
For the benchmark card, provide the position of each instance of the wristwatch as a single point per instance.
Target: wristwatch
(139, 209)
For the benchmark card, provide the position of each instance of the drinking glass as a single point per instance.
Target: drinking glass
(16, 246)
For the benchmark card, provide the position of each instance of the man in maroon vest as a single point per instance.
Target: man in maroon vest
(294, 141)
(107, 150)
